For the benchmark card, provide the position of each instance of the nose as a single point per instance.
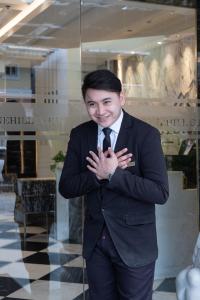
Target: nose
(100, 110)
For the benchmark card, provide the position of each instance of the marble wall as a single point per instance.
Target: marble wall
(169, 71)
(161, 88)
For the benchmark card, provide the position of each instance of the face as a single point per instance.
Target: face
(103, 107)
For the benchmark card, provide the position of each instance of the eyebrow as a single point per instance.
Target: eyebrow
(107, 98)
(90, 100)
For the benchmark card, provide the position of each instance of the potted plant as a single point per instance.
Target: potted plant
(58, 160)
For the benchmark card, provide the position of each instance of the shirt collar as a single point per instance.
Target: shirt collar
(115, 126)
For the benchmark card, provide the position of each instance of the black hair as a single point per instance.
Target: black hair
(101, 80)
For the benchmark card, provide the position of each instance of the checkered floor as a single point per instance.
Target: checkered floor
(43, 268)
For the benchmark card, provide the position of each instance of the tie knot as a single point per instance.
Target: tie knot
(106, 131)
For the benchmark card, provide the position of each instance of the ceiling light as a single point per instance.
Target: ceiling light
(10, 27)
(97, 4)
(113, 51)
(39, 30)
(32, 37)
(58, 3)
(27, 1)
(51, 26)
(159, 43)
(27, 48)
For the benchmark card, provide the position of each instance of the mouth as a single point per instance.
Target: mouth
(102, 119)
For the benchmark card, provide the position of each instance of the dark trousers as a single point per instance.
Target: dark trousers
(110, 279)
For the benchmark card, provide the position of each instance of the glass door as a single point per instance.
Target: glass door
(151, 47)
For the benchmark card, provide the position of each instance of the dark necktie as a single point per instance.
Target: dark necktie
(106, 141)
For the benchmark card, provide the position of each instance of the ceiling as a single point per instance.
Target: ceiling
(57, 23)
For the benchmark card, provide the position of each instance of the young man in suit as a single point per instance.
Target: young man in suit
(116, 160)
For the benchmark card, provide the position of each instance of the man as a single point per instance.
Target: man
(116, 160)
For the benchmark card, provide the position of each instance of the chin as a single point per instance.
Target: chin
(105, 124)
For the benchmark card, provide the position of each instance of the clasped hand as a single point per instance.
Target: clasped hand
(105, 163)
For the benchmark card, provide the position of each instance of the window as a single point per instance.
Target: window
(12, 72)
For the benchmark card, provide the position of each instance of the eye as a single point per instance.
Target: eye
(107, 101)
(90, 104)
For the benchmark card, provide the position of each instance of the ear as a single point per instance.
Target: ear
(122, 98)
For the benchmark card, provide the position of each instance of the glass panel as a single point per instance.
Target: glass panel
(40, 101)
(152, 49)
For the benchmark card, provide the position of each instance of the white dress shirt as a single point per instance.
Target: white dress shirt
(114, 133)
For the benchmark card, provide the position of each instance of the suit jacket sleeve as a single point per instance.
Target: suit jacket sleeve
(152, 183)
(75, 179)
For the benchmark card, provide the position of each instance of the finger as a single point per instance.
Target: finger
(124, 162)
(111, 152)
(100, 153)
(91, 161)
(93, 170)
(121, 152)
(94, 156)
(126, 157)
(106, 153)
(124, 167)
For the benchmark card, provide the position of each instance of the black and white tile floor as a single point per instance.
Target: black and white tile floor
(44, 269)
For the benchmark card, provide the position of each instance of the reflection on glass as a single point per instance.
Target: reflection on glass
(40, 102)
(150, 47)
(156, 63)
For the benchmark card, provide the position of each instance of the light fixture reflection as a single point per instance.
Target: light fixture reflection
(10, 27)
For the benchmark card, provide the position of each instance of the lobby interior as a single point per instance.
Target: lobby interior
(46, 48)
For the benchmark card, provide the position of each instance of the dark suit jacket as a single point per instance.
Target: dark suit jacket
(127, 203)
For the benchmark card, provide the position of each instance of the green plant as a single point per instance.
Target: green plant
(59, 157)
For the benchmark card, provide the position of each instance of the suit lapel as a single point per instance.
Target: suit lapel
(124, 133)
(92, 137)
